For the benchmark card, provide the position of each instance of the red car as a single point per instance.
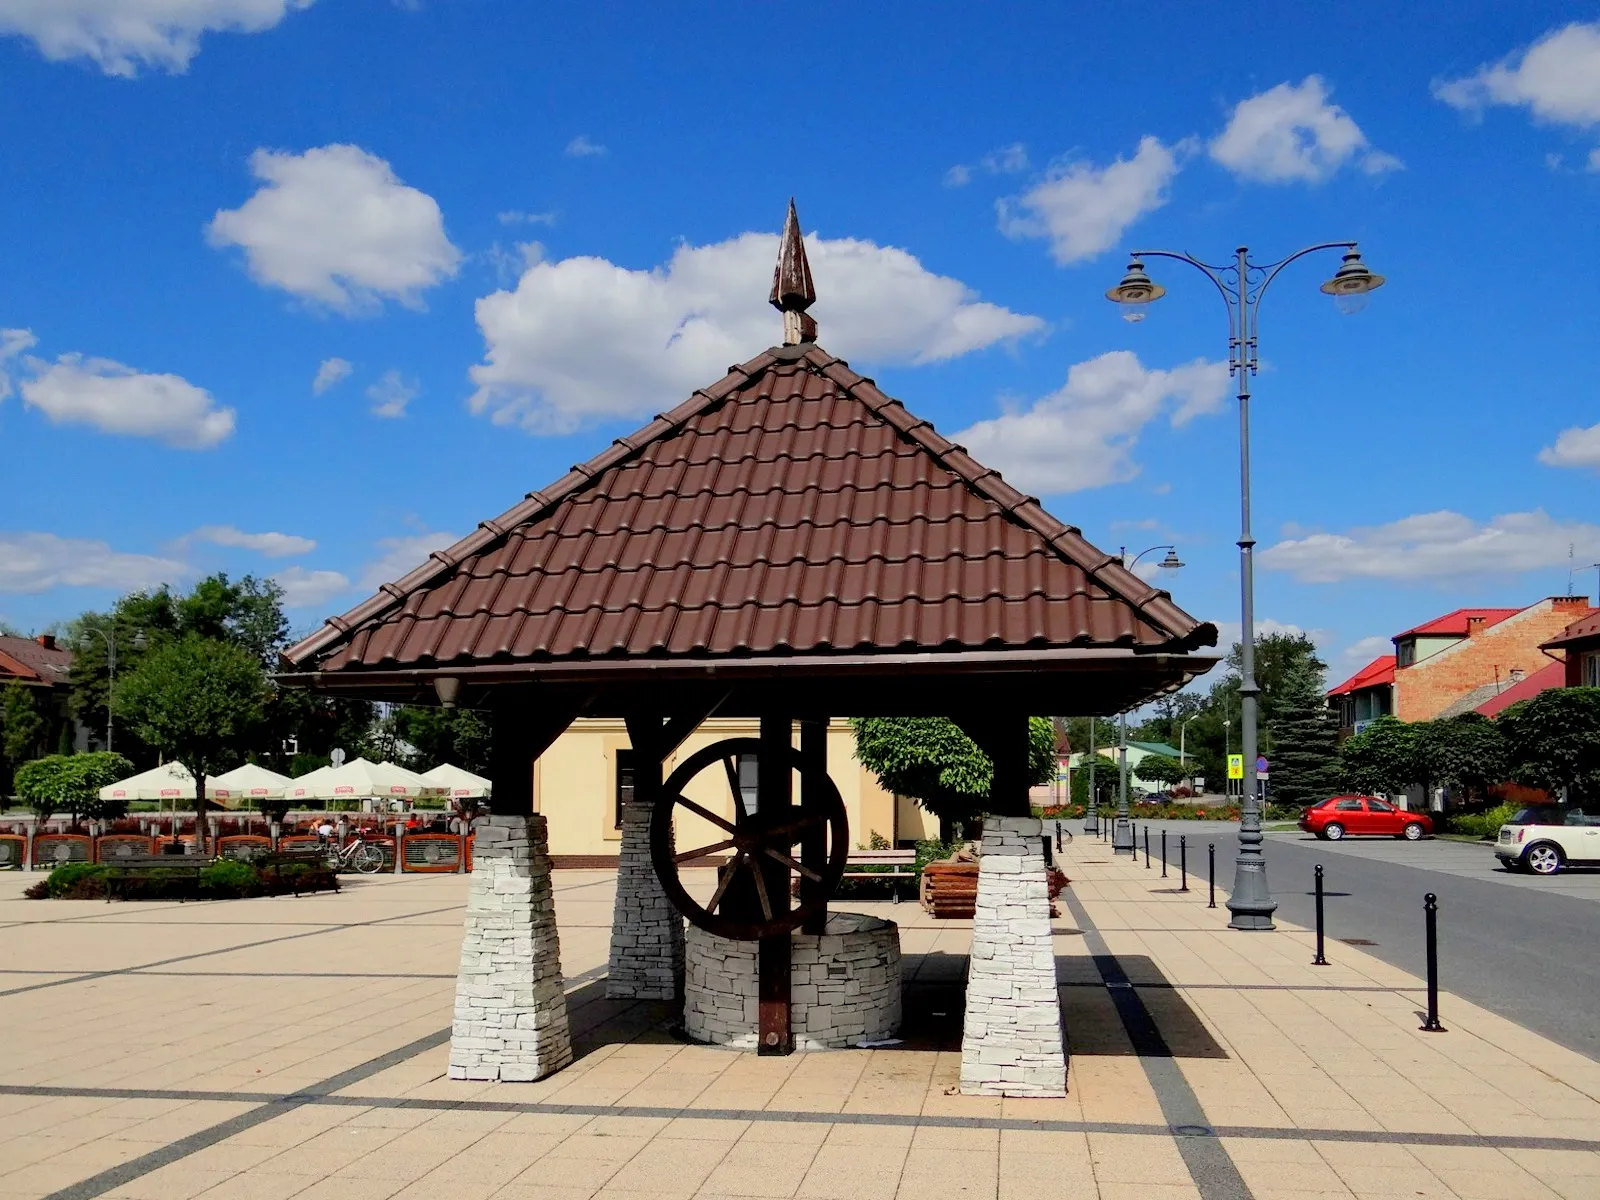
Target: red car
(1337, 816)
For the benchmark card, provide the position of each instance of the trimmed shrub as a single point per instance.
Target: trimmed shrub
(69, 878)
(227, 879)
(1484, 824)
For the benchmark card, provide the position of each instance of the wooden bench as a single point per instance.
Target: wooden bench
(149, 866)
(278, 859)
(900, 864)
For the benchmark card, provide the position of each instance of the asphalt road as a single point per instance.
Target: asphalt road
(1527, 952)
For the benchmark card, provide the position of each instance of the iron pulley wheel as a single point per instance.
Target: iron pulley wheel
(761, 848)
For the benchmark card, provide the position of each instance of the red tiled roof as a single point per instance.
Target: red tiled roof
(25, 658)
(1454, 624)
(1379, 671)
(790, 509)
(1552, 676)
(1581, 630)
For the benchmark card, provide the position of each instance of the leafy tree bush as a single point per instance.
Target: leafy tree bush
(931, 760)
(1485, 824)
(1305, 762)
(1105, 780)
(21, 730)
(1553, 741)
(1381, 758)
(71, 783)
(1159, 768)
(1465, 753)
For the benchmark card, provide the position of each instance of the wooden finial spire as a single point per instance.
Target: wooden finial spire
(792, 289)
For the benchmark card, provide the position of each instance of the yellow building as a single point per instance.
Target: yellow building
(582, 781)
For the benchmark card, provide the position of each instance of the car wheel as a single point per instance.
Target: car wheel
(1412, 831)
(1333, 831)
(1543, 859)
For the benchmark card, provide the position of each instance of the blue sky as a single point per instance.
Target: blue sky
(303, 287)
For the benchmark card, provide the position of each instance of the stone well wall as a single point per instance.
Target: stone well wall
(845, 985)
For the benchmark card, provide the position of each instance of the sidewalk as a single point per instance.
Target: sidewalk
(260, 1050)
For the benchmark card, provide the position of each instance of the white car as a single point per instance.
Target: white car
(1546, 838)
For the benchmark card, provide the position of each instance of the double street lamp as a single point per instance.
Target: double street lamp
(109, 637)
(1242, 284)
(1122, 830)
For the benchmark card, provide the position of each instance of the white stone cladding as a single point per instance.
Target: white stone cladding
(844, 986)
(511, 1012)
(646, 931)
(1012, 1042)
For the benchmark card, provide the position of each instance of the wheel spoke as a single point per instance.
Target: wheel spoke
(761, 889)
(691, 855)
(728, 873)
(792, 864)
(701, 811)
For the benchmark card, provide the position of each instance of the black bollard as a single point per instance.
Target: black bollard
(1058, 837)
(1163, 854)
(1183, 860)
(1321, 960)
(1147, 847)
(1211, 853)
(1430, 912)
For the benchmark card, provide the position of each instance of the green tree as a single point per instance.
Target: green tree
(1553, 741)
(21, 730)
(1105, 779)
(1077, 730)
(62, 783)
(1383, 757)
(1305, 761)
(439, 735)
(931, 760)
(196, 700)
(1159, 768)
(1466, 753)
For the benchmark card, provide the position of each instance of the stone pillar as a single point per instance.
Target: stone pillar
(1012, 1042)
(511, 1011)
(646, 931)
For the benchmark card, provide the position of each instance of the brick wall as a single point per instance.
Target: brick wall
(1423, 691)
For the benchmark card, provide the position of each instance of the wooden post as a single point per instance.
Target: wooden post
(814, 849)
(774, 796)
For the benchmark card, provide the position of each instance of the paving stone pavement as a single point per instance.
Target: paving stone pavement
(266, 1049)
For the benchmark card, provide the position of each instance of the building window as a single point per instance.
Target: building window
(1591, 669)
(624, 775)
(1405, 653)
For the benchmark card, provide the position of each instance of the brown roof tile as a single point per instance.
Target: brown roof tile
(791, 508)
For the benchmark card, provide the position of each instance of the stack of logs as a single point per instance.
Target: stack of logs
(949, 887)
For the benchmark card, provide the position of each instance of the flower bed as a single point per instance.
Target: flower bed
(220, 880)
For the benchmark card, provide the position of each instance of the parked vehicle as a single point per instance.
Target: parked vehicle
(1546, 837)
(1339, 816)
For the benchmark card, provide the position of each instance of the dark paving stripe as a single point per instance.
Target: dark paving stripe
(167, 962)
(1209, 1163)
(1241, 987)
(272, 1106)
(1388, 1137)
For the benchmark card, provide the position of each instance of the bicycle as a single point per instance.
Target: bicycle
(357, 854)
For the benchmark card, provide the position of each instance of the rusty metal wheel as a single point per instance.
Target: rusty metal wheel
(754, 839)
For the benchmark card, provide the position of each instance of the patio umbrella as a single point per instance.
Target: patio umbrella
(305, 787)
(248, 782)
(360, 779)
(169, 781)
(457, 783)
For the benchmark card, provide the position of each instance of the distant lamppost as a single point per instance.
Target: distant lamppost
(1122, 830)
(110, 639)
(1091, 814)
(1183, 746)
(1242, 284)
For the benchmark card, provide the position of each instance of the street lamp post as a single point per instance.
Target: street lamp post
(1242, 284)
(1122, 830)
(1091, 814)
(1183, 746)
(110, 639)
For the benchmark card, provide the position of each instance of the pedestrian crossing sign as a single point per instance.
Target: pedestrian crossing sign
(1235, 766)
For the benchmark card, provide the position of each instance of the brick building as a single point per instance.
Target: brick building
(1463, 661)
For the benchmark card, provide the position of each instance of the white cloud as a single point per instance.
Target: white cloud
(585, 339)
(37, 562)
(273, 545)
(1084, 209)
(1576, 447)
(12, 343)
(1228, 632)
(582, 147)
(401, 556)
(120, 36)
(1437, 545)
(331, 373)
(392, 393)
(1292, 133)
(1557, 79)
(1357, 655)
(1083, 435)
(336, 226)
(118, 399)
(1007, 160)
(515, 216)
(304, 588)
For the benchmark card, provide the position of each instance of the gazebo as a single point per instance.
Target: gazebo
(789, 544)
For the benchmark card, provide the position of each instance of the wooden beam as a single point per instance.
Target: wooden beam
(1004, 739)
(775, 793)
(814, 849)
(521, 730)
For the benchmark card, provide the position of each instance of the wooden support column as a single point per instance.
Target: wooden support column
(814, 849)
(1008, 749)
(520, 731)
(774, 799)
